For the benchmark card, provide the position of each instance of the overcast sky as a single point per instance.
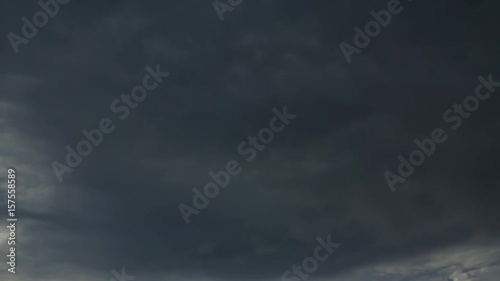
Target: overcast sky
(323, 175)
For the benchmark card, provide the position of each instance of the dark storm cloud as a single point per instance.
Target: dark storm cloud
(322, 175)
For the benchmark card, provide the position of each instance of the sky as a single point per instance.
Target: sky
(221, 74)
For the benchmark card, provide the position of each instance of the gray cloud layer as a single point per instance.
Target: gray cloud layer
(322, 175)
